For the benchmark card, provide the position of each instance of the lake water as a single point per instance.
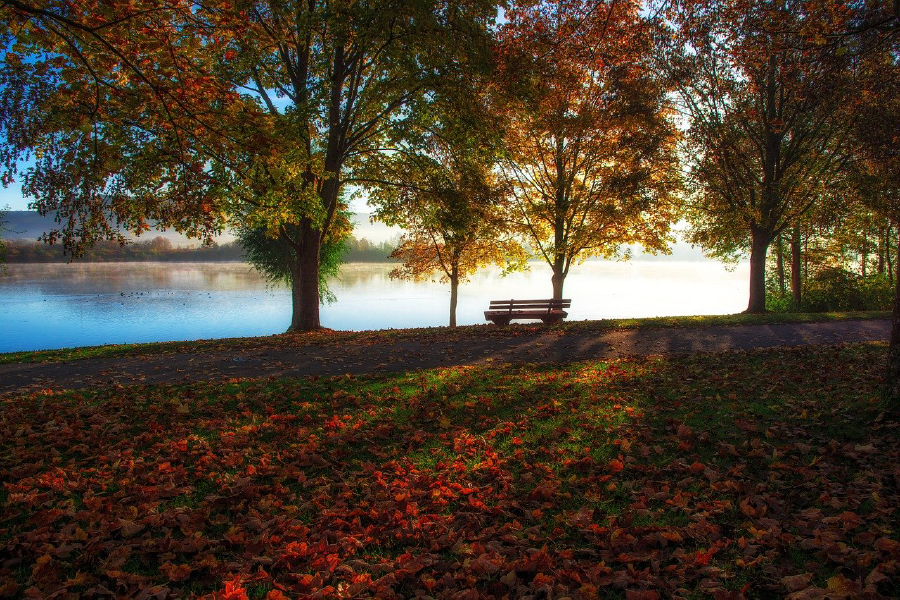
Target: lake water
(62, 305)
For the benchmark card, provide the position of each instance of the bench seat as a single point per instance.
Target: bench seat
(501, 312)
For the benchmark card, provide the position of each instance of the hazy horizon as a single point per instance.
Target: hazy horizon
(28, 225)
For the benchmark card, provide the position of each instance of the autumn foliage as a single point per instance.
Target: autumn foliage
(590, 148)
(731, 475)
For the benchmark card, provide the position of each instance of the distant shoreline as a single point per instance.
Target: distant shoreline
(160, 249)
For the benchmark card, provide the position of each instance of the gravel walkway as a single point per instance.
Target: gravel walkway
(340, 358)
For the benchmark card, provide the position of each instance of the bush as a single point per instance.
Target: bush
(878, 292)
(780, 303)
(833, 289)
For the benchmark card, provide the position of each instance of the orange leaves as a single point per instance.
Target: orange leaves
(591, 502)
(233, 590)
(176, 573)
(703, 557)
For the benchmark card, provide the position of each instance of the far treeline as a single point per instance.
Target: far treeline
(161, 249)
(489, 131)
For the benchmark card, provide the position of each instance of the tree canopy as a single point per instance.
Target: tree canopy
(766, 131)
(196, 116)
(590, 154)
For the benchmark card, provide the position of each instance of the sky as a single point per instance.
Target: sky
(12, 198)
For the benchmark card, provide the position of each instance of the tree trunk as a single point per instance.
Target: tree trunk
(454, 287)
(892, 378)
(881, 238)
(864, 257)
(779, 264)
(796, 272)
(305, 285)
(759, 244)
(887, 255)
(559, 278)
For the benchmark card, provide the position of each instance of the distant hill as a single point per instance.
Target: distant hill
(28, 225)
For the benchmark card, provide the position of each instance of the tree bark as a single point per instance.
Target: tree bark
(796, 272)
(863, 257)
(779, 264)
(559, 278)
(305, 288)
(454, 288)
(887, 255)
(892, 378)
(759, 244)
(881, 239)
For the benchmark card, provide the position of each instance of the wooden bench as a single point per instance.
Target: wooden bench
(502, 312)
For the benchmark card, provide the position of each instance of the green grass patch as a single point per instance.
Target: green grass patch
(328, 337)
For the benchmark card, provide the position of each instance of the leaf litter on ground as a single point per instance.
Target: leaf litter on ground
(738, 474)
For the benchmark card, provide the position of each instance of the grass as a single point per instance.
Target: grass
(765, 472)
(392, 335)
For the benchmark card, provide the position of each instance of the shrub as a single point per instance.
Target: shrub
(832, 289)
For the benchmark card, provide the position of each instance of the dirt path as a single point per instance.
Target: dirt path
(340, 358)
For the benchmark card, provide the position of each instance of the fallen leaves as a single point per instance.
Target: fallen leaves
(463, 482)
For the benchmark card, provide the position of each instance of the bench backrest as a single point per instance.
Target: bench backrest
(548, 304)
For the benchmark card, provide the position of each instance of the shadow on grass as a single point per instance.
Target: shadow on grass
(758, 473)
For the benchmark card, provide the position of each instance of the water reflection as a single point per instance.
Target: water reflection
(59, 305)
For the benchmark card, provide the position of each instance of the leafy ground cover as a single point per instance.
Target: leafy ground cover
(761, 473)
(432, 333)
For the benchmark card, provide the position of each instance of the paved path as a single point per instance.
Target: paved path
(341, 357)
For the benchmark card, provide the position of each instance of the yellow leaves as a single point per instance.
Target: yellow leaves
(842, 586)
(76, 580)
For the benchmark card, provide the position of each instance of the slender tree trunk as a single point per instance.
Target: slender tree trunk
(892, 379)
(779, 264)
(796, 271)
(806, 259)
(887, 255)
(305, 288)
(759, 244)
(454, 288)
(864, 257)
(881, 238)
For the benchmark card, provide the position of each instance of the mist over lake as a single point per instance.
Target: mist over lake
(61, 305)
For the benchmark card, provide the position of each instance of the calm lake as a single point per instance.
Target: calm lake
(62, 305)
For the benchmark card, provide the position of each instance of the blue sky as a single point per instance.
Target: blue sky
(12, 197)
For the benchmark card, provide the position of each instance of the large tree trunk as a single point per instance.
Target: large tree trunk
(305, 285)
(796, 273)
(759, 244)
(454, 288)
(892, 379)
